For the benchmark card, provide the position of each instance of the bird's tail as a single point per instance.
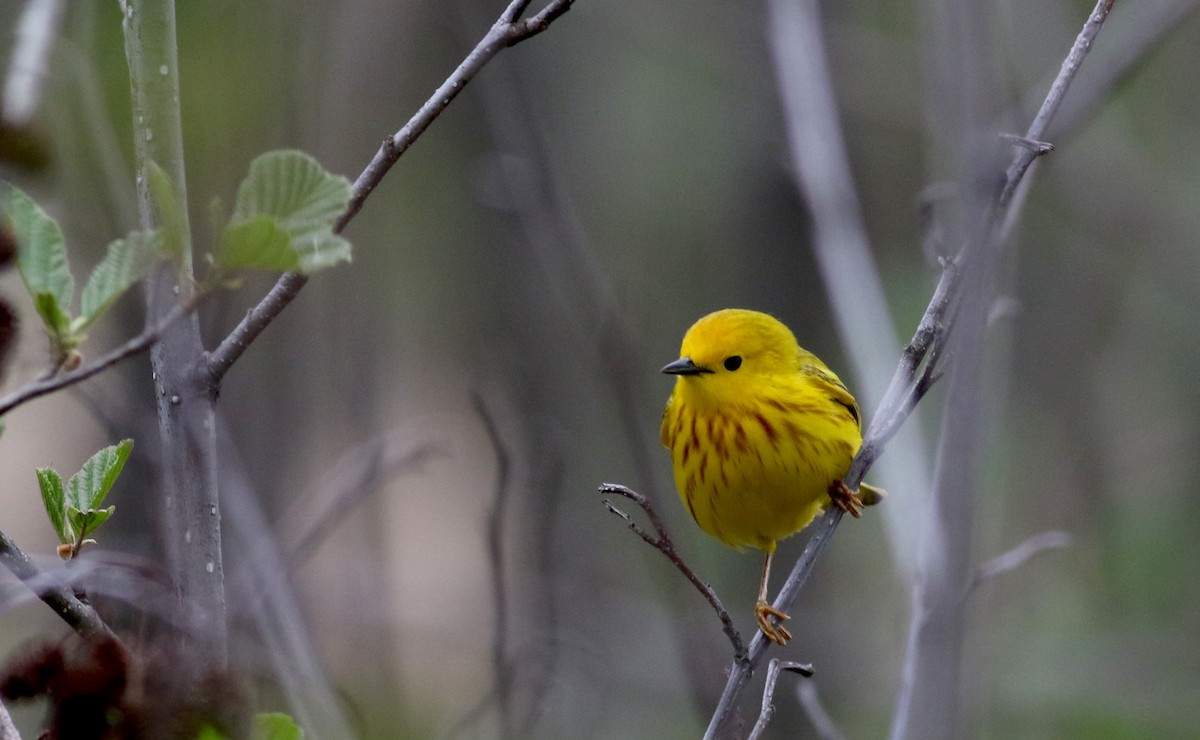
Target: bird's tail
(870, 495)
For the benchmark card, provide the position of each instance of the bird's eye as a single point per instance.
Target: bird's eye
(733, 362)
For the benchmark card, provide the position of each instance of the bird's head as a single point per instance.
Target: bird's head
(728, 353)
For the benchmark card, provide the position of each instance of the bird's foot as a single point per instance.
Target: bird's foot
(845, 499)
(774, 631)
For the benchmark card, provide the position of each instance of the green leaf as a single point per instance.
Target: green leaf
(319, 251)
(275, 726)
(125, 262)
(295, 189)
(256, 243)
(87, 488)
(170, 219)
(54, 499)
(41, 253)
(58, 323)
(88, 521)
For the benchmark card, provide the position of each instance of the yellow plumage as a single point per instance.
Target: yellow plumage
(761, 434)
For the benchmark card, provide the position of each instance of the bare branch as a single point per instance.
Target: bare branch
(355, 474)
(1019, 555)
(768, 707)
(663, 544)
(520, 31)
(821, 721)
(507, 31)
(495, 540)
(904, 391)
(134, 346)
(79, 615)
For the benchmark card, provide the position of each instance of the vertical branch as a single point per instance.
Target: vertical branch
(842, 249)
(907, 386)
(928, 705)
(495, 540)
(185, 408)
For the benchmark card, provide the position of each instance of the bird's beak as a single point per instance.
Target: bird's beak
(684, 366)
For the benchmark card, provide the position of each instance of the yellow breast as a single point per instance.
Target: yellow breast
(759, 471)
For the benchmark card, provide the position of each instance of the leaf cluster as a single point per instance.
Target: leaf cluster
(74, 508)
(283, 220)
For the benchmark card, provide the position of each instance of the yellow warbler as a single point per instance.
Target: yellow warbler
(761, 434)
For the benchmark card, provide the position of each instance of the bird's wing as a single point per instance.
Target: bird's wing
(824, 379)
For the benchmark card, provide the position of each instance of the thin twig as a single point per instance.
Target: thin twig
(768, 706)
(1019, 555)
(932, 328)
(663, 544)
(80, 616)
(340, 491)
(507, 31)
(495, 541)
(822, 723)
(134, 346)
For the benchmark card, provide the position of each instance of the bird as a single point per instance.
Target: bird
(761, 435)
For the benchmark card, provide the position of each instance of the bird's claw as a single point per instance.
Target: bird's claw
(845, 499)
(774, 631)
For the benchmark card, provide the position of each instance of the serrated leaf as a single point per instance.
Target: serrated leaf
(170, 219)
(87, 521)
(319, 251)
(275, 726)
(87, 488)
(125, 262)
(257, 243)
(54, 499)
(293, 187)
(57, 321)
(41, 252)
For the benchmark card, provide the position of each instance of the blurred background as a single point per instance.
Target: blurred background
(424, 430)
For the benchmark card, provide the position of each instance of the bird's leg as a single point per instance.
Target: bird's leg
(763, 611)
(845, 499)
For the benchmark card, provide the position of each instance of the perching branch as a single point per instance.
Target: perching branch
(507, 31)
(905, 389)
(663, 544)
(80, 616)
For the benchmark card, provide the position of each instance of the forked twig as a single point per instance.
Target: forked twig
(663, 543)
(768, 700)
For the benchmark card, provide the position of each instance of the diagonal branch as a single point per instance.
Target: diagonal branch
(663, 543)
(906, 387)
(134, 346)
(78, 614)
(1019, 555)
(507, 31)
